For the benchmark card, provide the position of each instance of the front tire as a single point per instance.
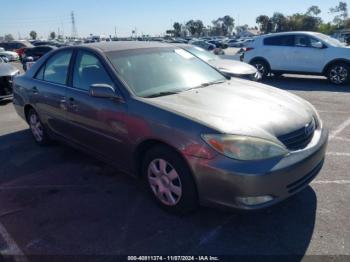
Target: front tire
(169, 180)
(37, 128)
(339, 73)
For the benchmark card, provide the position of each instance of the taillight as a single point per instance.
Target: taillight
(249, 49)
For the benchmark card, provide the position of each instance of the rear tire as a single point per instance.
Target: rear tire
(169, 180)
(37, 128)
(262, 66)
(339, 73)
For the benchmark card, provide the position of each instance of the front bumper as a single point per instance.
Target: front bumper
(222, 181)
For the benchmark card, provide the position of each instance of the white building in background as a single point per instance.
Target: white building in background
(250, 32)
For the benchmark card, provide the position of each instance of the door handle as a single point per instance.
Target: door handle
(63, 103)
(35, 90)
(72, 103)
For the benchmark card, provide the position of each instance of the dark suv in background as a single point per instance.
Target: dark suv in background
(16, 46)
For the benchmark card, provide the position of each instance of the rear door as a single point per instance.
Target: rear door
(277, 51)
(48, 91)
(96, 123)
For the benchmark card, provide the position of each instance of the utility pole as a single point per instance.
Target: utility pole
(74, 28)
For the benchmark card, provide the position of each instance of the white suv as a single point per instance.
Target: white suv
(300, 53)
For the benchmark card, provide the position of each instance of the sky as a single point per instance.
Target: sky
(152, 17)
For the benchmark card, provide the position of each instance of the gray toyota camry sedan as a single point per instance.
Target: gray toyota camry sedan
(158, 112)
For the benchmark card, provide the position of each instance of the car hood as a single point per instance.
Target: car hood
(241, 107)
(233, 67)
(7, 69)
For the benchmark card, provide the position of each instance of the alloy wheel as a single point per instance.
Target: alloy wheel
(261, 68)
(338, 74)
(164, 181)
(36, 127)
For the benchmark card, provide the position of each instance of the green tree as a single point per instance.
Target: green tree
(52, 35)
(216, 29)
(326, 28)
(229, 24)
(263, 22)
(313, 11)
(341, 14)
(177, 29)
(279, 22)
(9, 37)
(195, 27)
(33, 34)
(223, 25)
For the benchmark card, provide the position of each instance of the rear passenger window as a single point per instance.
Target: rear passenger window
(285, 40)
(56, 69)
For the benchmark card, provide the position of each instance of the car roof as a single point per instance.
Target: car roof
(40, 46)
(180, 45)
(125, 45)
(291, 32)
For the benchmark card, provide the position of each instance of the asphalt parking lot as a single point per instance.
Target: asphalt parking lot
(59, 201)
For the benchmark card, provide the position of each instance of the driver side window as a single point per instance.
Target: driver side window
(88, 70)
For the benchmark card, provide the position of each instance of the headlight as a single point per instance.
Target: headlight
(317, 118)
(245, 147)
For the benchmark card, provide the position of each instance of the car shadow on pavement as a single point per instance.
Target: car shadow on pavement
(5, 102)
(68, 203)
(298, 83)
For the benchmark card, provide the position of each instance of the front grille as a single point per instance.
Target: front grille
(6, 85)
(305, 180)
(300, 138)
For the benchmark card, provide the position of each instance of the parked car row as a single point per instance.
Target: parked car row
(159, 112)
(226, 66)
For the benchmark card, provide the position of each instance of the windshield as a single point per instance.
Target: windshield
(162, 71)
(330, 40)
(201, 53)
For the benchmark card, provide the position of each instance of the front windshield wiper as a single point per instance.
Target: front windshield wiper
(212, 83)
(207, 84)
(167, 93)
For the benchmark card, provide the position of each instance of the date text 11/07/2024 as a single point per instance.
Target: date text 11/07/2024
(173, 258)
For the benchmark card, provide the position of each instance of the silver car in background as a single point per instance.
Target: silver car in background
(7, 74)
(226, 66)
(158, 112)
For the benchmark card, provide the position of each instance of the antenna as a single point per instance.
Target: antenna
(74, 28)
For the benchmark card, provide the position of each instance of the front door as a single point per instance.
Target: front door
(96, 123)
(305, 56)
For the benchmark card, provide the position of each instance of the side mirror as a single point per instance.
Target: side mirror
(318, 45)
(103, 91)
(28, 59)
